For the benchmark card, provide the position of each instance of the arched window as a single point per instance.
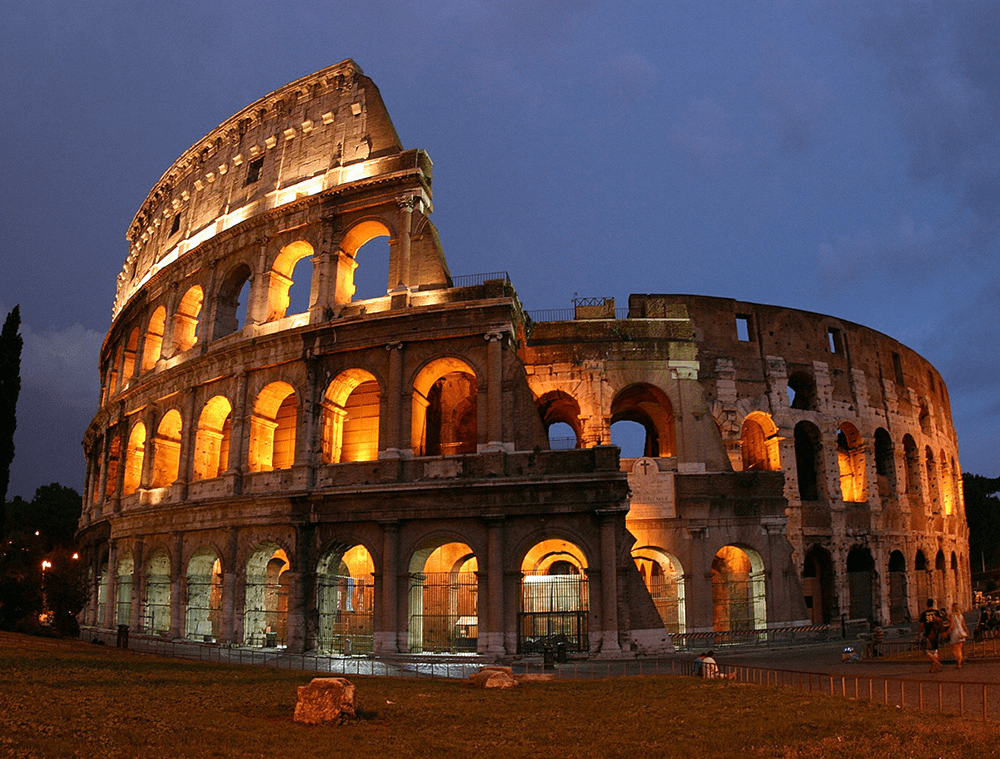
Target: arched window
(885, 465)
(808, 461)
(912, 458)
(153, 343)
(851, 462)
(898, 608)
(759, 443)
(233, 291)
(351, 417)
(650, 408)
(801, 391)
(860, 578)
(186, 319)
(281, 280)
(167, 450)
(933, 495)
(114, 455)
(560, 415)
(445, 409)
(947, 492)
(134, 453)
(131, 348)
(211, 446)
(358, 276)
(272, 428)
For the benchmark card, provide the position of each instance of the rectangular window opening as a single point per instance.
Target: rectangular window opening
(835, 340)
(897, 368)
(175, 226)
(254, 170)
(743, 328)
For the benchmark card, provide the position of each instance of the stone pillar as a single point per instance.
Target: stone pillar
(239, 438)
(406, 205)
(494, 628)
(494, 392)
(111, 596)
(699, 611)
(609, 585)
(386, 635)
(391, 424)
(307, 442)
(189, 432)
(148, 450)
(343, 278)
(138, 587)
(167, 347)
(177, 588)
(228, 633)
(300, 593)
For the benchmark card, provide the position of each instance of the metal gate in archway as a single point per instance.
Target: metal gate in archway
(445, 611)
(346, 614)
(553, 611)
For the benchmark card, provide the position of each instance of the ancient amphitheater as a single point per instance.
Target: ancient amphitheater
(279, 461)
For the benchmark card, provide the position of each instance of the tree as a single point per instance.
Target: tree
(982, 512)
(10, 388)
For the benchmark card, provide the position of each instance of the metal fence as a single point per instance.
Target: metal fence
(471, 280)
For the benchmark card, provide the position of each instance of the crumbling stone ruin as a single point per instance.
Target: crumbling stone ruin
(280, 459)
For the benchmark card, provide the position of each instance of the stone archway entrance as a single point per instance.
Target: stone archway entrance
(555, 598)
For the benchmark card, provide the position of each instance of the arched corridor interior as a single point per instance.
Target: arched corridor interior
(738, 598)
(443, 599)
(345, 601)
(664, 580)
(203, 611)
(555, 597)
(265, 619)
(156, 610)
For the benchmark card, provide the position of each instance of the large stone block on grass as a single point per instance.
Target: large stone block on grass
(326, 699)
(493, 678)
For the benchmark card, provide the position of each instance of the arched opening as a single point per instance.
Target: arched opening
(123, 589)
(555, 597)
(808, 460)
(186, 319)
(885, 465)
(759, 443)
(664, 579)
(102, 592)
(922, 570)
(153, 343)
(112, 381)
(345, 601)
(861, 580)
(912, 460)
(156, 610)
(801, 391)
(351, 406)
(940, 579)
(272, 428)
(818, 587)
(203, 613)
(933, 495)
(134, 454)
(265, 616)
(925, 419)
(231, 300)
(114, 454)
(445, 409)
(360, 276)
(560, 415)
(443, 599)
(738, 592)
(167, 450)
(649, 407)
(128, 365)
(851, 463)
(899, 611)
(953, 580)
(286, 293)
(947, 491)
(212, 439)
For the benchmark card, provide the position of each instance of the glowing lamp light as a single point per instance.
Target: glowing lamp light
(46, 564)
(76, 556)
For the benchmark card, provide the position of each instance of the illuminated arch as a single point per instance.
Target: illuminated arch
(345, 600)
(558, 408)
(134, 453)
(153, 343)
(649, 407)
(227, 300)
(947, 485)
(851, 463)
(186, 319)
(445, 409)
(156, 605)
(211, 445)
(272, 428)
(356, 238)
(280, 279)
(443, 598)
(555, 596)
(123, 589)
(114, 457)
(351, 417)
(203, 611)
(738, 592)
(759, 443)
(664, 578)
(167, 450)
(131, 349)
(265, 616)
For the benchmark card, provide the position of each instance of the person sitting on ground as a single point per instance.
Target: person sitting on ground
(929, 634)
(711, 668)
(699, 665)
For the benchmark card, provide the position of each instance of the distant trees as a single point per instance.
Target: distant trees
(982, 511)
(34, 597)
(10, 388)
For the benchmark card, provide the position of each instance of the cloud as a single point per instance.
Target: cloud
(796, 103)
(704, 136)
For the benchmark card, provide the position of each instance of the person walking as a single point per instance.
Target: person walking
(929, 634)
(959, 632)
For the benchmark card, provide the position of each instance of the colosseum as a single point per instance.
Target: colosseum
(282, 459)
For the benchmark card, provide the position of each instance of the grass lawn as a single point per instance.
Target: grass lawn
(69, 699)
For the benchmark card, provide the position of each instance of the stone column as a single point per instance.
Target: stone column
(189, 433)
(138, 587)
(386, 635)
(307, 443)
(239, 438)
(148, 450)
(299, 589)
(259, 300)
(609, 584)
(177, 588)
(494, 627)
(228, 633)
(699, 611)
(391, 425)
(494, 391)
(167, 348)
(406, 205)
(111, 596)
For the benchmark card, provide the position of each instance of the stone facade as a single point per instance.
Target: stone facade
(430, 470)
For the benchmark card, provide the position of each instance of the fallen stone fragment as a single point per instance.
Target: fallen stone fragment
(493, 677)
(326, 699)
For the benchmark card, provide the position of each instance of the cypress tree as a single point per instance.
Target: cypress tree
(10, 388)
